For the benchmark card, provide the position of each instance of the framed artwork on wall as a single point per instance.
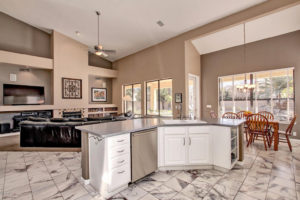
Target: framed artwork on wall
(99, 94)
(71, 88)
(178, 97)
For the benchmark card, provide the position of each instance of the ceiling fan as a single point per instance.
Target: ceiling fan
(99, 51)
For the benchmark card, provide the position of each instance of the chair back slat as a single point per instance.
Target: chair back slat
(242, 114)
(267, 114)
(230, 115)
(257, 123)
(291, 125)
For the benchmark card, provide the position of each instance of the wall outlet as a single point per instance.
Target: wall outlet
(208, 106)
(294, 133)
(13, 77)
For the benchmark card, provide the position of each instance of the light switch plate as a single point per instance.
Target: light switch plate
(13, 77)
(208, 106)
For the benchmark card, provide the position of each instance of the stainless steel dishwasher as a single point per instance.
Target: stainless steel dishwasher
(143, 153)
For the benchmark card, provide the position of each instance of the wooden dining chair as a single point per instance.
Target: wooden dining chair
(243, 115)
(258, 127)
(230, 115)
(284, 135)
(270, 117)
(267, 114)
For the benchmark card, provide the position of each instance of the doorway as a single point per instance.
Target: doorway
(194, 97)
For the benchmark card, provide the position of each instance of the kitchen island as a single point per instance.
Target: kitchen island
(179, 144)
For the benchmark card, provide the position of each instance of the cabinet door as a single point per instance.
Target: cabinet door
(199, 151)
(175, 150)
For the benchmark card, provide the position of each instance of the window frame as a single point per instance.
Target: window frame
(255, 100)
(132, 102)
(158, 99)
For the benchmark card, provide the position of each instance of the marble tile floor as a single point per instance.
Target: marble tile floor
(57, 175)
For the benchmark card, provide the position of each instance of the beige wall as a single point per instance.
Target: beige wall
(70, 61)
(20, 37)
(167, 59)
(97, 82)
(273, 53)
(36, 77)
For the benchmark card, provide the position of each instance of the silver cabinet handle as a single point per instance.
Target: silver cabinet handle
(121, 172)
(190, 141)
(121, 161)
(120, 141)
(121, 151)
(183, 141)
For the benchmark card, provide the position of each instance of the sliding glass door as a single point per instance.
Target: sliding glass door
(132, 98)
(159, 97)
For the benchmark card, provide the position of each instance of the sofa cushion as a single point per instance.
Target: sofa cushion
(59, 120)
(77, 119)
(38, 119)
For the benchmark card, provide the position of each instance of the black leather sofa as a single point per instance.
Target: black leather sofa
(40, 132)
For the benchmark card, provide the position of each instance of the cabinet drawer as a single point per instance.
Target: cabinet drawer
(174, 130)
(118, 151)
(119, 176)
(119, 161)
(197, 129)
(118, 140)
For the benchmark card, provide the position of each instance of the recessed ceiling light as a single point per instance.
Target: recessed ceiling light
(77, 33)
(160, 23)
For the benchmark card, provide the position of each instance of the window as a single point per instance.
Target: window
(271, 91)
(132, 98)
(159, 97)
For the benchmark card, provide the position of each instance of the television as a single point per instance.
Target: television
(23, 95)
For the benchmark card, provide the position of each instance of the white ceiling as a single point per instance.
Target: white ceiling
(126, 25)
(272, 25)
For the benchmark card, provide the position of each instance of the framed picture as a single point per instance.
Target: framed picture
(178, 97)
(99, 94)
(71, 88)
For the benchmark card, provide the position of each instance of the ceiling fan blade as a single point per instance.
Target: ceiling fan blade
(101, 53)
(108, 51)
(104, 54)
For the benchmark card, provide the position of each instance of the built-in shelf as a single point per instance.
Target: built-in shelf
(102, 72)
(9, 134)
(102, 110)
(26, 60)
(53, 107)
(26, 108)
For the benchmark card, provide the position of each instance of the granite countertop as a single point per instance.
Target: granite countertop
(134, 125)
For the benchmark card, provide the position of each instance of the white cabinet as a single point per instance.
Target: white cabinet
(198, 149)
(225, 148)
(109, 163)
(182, 146)
(175, 149)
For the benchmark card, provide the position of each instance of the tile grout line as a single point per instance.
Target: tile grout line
(28, 177)
(294, 177)
(4, 174)
(51, 176)
(81, 184)
(269, 179)
(246, 175)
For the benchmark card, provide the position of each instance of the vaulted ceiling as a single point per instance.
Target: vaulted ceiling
(278, 23)
(125, 25)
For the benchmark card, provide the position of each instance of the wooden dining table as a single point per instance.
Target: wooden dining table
(275, 126)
